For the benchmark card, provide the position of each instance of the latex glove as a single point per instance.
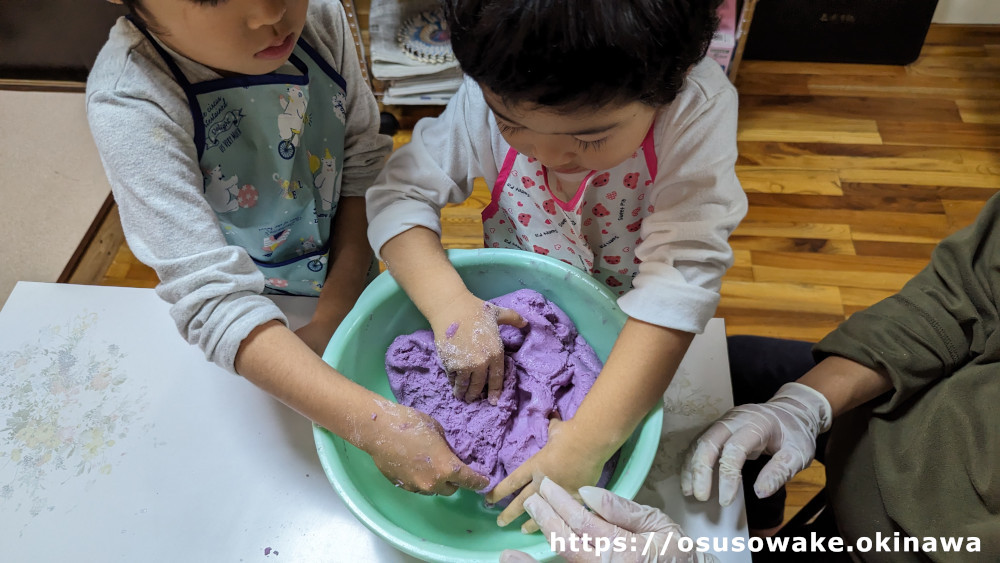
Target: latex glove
(785, 427)
(468, 343)
(618, 530)
(411, 451)
(562, 459)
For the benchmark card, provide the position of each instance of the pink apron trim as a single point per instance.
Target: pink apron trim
(571, 204)
(508, 165)
(649, 151)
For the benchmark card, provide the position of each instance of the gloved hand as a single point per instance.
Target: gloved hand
(619, 530)
(785, 427)
(468, 343)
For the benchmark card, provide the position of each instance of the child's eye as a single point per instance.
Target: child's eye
(591, 145)
(208, 2)
(507, 129)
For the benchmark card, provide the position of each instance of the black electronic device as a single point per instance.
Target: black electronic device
(839, 31)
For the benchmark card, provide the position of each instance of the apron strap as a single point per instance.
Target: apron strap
(171, 64)
(199, 127)
(649, 151)
(508, 165)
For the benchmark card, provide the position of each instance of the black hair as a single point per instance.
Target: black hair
(135, 8)
(591, 53)
(140, 16)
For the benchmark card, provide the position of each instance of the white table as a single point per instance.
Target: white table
(119, 442)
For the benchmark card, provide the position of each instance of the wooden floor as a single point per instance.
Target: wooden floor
(854, 173)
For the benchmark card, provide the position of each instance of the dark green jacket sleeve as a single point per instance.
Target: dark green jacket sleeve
(940, 321)
(934, 447)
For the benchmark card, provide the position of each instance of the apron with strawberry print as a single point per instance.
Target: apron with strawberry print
(597, 230)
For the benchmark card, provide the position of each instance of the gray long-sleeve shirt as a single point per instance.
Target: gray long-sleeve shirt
(144, 131)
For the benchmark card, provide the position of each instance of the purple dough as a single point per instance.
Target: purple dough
(549, 368)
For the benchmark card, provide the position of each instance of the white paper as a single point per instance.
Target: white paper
(411, 86)
(417, 99)
(391, 71)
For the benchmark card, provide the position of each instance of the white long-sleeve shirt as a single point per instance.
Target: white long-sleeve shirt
(697, 198)
(144, 130)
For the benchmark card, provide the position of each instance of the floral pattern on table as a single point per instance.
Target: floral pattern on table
(64, 407)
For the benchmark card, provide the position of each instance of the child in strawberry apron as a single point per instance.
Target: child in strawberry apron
(240, 137)
(608, 142)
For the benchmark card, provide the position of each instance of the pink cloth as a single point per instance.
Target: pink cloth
(596, 230)
(549, 368)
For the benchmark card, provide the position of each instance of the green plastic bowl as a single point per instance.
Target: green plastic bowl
(459, 527)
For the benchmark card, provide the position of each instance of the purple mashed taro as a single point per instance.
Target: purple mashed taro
(548, 369)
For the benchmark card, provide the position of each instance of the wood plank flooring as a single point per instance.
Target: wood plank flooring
(854, 173)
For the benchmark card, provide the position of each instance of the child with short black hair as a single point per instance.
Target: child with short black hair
(608, 142)
(239, 137)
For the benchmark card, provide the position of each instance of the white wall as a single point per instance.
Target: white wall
(968, 11)
(52, 183)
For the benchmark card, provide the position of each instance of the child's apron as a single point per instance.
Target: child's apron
(271, 148)
(597, 230)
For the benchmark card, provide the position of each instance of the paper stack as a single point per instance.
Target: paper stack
(411, 51)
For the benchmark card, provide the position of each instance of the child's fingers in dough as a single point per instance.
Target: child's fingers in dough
(476, 382)
(495, 379)
(462, 379)
(466, 477)
(511, 317)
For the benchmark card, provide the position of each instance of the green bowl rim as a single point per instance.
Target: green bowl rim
(383, 286)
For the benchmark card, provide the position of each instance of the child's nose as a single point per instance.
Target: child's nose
(552, 154)
(266, 12)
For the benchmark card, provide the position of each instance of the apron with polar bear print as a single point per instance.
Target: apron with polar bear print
(597, 230)
(271, 150)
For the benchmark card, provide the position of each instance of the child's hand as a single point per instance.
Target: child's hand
(316, 335)
(469, 345)
(561, 460)
(410, 450)
(334, 303)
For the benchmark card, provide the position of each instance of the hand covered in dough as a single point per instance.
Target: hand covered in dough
(468, 342)
(617, 531)
(785, 427)
(411, 451)
(562, 459)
